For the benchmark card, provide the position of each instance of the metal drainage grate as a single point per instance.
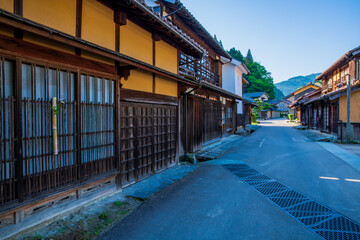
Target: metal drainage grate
(324, 221)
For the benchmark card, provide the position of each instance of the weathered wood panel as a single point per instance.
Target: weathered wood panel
(148, 139)
(212, 118)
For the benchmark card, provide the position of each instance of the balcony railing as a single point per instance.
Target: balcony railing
(195, 68)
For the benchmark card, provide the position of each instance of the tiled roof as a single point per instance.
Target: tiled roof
(183, 13)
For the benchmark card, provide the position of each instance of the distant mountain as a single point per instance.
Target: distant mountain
(290, 85)
(278, 94)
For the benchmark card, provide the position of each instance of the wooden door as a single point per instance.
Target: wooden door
(334, 118)
(197, 123)
(148, 139)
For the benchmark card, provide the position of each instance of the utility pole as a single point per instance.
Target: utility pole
(348, 124)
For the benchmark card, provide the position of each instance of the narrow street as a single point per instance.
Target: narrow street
(213, 203)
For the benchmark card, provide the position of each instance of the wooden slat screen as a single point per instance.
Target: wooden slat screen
(97, 125)
(148, 139)
(7, 138)
(127, 142)
(145, 134)
(42, 170)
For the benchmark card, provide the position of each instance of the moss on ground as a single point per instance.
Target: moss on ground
(82, 226)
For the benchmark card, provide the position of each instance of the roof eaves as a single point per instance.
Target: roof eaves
(220, 90)
(209, 38)
(172, 27)
(346, 57)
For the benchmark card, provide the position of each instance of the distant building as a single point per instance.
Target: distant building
(262, 96)
(279, 108)
(294, 96)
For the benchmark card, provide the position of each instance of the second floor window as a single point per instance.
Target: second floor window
(330, 83)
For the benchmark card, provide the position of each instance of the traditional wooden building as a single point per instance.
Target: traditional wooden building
(328, 111)
(297, 94)
(261, 96)
(304, 112)
(279, 108)
(209, 111)
(112, 73)
(248, 104)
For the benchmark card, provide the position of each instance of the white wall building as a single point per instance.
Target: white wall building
(232, 79)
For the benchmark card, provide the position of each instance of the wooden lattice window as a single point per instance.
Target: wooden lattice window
(7, 138)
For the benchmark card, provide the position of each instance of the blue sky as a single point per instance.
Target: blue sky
(289, 37)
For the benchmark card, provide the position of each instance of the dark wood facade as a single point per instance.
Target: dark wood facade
(107, 134)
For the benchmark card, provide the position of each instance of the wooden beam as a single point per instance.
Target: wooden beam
(24, 49)
(154, 63)
(145, 97)
(156, 37)
(117, 37)
(79, 5)
(78, 24)
(18, 7)
(124, 71)
(120, 17)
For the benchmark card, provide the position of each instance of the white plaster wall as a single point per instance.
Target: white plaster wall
(232, 82)
(239, 89)
(228, 77)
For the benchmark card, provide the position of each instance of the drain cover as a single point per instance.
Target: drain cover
(324, 221)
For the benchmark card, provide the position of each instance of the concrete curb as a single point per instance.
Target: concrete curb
(217, 149)
(144, 189)
(351, 159)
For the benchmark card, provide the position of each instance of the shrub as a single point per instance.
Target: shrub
(253, 118)
(104, 216)
(291, 117)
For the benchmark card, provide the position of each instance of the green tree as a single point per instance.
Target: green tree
(249, 57)
(260, 80)
(260, 106)
(236, 54)
(220, 42)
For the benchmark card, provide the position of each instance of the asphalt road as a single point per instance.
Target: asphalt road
(211, 203)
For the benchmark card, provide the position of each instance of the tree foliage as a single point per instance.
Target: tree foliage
(260, 80)
(249, 58)
(219, 41)
(236, 54)
(260, 106)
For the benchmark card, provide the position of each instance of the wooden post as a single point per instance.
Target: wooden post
(117, 134)
(78, 124)
(348, 123)
(186, 149)
(18, 7)
(18, 131)
(136, 142)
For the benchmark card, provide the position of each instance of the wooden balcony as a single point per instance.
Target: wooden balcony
(199, 69)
